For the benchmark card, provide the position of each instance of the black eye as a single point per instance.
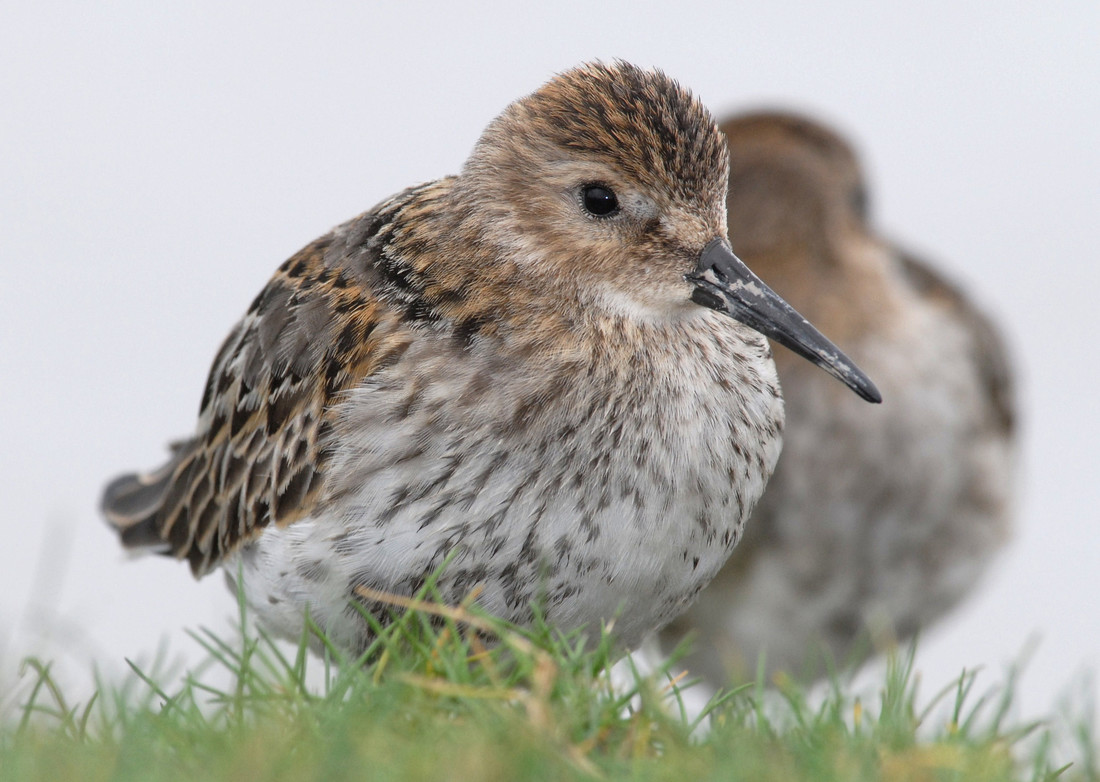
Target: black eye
(599, 200)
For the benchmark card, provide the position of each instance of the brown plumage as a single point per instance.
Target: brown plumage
(875, 518)
(265, 423)
(534, 364)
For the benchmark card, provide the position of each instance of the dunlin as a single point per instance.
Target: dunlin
(876, 519)
(540, 364)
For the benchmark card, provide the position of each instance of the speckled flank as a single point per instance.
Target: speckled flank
(482, 365)
(879, 519)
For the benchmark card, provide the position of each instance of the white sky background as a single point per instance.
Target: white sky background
(157, 163)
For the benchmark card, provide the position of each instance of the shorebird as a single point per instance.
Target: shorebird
(549, 367)
(876, 521)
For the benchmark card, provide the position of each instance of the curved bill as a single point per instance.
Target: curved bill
(722, 282)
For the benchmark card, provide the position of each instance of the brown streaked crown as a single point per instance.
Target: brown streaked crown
(644, 123)
(646, 120)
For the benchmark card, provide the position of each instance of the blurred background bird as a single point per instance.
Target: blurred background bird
(876, 521)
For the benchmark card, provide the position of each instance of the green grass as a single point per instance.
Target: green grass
(448, 693)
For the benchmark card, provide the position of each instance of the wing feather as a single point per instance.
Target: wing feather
(262, 444)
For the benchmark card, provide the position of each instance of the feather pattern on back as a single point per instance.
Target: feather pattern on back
(262, 446)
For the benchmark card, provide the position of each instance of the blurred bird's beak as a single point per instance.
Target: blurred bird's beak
(722, 282)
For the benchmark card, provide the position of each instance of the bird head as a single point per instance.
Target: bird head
(611, 180)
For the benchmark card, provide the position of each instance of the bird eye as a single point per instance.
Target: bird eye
(599, 200)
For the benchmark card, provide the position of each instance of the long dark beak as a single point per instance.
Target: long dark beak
(722, 282)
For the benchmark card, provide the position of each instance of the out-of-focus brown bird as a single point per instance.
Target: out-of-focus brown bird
(540, 366)
(875, 519)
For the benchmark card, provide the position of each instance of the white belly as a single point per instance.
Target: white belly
(610, 497)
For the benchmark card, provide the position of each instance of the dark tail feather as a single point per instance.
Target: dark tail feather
(131, 504)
